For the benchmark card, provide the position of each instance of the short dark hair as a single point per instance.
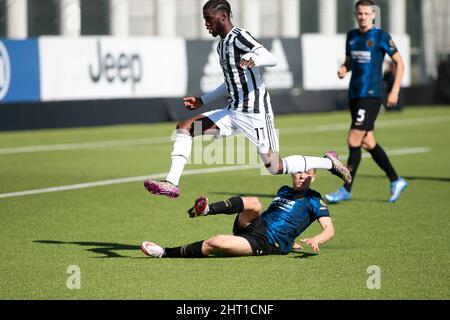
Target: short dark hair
(219, 5)
(364, 3)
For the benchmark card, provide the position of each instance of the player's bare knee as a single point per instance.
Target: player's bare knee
(354, 143)
(368, 146)
(212, 242)
(369, 143)
(273, 169)
(272, 162)
(208, 247)
(185, 127)
(215, 243)
(365, 146)
(275, 166)
(355, 140)
(253, 205)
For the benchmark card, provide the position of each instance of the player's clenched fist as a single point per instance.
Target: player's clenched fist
(248, 61)
(342, 72)
(192, 103)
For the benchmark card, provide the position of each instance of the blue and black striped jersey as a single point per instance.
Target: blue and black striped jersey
(289, 215)
(367, 51)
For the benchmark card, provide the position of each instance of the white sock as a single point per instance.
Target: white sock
(180, 154)
(294, 164)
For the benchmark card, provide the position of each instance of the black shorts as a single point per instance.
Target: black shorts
(256, 235)
(364, 113)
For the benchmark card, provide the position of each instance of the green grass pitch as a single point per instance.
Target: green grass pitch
(99, 228)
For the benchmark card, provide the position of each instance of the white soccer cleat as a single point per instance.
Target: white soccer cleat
(152, 249)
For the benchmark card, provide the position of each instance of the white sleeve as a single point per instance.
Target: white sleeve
(261, 57)
(217, 93)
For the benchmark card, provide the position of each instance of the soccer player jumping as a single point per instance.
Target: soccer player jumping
(365, 50)
(249, 109)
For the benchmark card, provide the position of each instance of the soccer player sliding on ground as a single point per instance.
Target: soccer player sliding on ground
(255, 232)
(249, 109)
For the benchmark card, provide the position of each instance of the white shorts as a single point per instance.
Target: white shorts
(257, 127)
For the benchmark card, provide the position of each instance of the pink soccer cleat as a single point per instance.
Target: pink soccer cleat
(163, 188)
(338, 168)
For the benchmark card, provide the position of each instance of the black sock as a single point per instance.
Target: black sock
(354, 158)
(230, 206)
(381, 158)
(193, 250)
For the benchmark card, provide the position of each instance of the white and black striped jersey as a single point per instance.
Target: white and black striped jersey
(246, 90)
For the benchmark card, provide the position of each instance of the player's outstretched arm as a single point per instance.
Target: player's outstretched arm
(327, 234)
(219, 92)
(192, 103)
(392, 98)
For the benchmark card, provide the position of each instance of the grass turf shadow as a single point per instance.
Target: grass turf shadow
(106, 249)
(408, 178)
(303, 255)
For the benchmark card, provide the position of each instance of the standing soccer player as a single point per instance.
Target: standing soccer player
(248, 110)
(365, 50)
